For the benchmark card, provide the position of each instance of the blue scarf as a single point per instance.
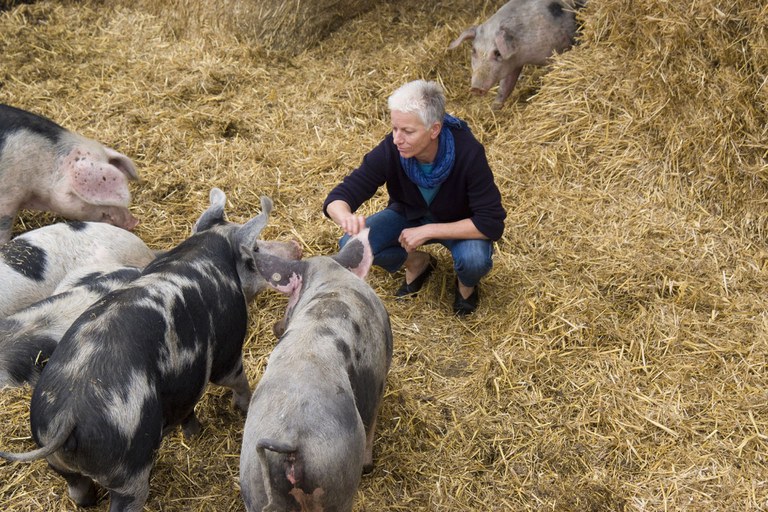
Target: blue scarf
(446, 155)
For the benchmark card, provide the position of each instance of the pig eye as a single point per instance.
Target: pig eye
(497, 54)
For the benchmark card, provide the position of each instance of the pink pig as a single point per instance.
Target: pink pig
(521, 32)
(46, 167)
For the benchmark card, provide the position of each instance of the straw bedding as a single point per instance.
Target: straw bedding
(618, 358)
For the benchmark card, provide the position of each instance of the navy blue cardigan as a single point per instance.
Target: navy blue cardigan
(469, 191)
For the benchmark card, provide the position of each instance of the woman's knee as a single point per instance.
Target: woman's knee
(473, 261)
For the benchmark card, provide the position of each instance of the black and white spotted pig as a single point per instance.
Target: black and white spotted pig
(44, 166)
(135, 363)
(29, 337)
(33, 264)
(310, 427)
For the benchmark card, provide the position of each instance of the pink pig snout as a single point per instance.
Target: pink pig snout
(129, 223)
(117, 216)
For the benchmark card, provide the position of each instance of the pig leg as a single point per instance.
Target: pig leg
(190, 427)
(368, 456)
(505, 87)
(238, 383)
(129, 503)
(81, 489)
(132, 493)
(279, 328)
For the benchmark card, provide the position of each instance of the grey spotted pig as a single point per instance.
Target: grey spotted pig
(521, 32)
(310, 427)
(33, 264)
(29, 337)
(136, 362)
(44, 166)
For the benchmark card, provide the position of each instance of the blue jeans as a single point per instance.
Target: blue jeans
(472, 259)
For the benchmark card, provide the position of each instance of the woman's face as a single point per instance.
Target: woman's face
(412, 138)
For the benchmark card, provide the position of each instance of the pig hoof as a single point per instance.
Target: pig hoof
(83, 492)
(191, 427)
(241, 402)
(496, 105)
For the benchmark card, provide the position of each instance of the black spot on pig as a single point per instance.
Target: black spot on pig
(190, 318)
(24, 258)
(323, 332)
(102, 283)
(77, 225)
(389, 340)
(13, 120)
(90, 279)
(361, 297)
(321, 295)
(555, 9)
(366, 392)
(342, 346)
(147, 437)
(347, 417)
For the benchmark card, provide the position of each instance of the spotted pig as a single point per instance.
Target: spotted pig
(310, 427)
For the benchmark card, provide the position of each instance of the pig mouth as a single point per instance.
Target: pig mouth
(478, 91)
(121, 218)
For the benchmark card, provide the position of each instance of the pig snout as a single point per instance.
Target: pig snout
(120, 217)
(117, 216)
(290, 250)
(484, 76)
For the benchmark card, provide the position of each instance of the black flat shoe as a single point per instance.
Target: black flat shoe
(414, 286)
(464, 307)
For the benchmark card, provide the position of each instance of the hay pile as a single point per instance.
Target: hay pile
(287, 26)
(618, 359)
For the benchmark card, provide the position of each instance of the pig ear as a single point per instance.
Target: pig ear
(281, 274)
(356, 255)
(214, 214)
(123, 163)
(470, 33)
(505, 42)
(250, 231)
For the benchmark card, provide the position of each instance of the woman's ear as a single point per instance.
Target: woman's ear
(435, 130)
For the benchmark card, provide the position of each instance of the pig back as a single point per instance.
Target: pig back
(349, 325)
(537, 28)
(33, 264)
